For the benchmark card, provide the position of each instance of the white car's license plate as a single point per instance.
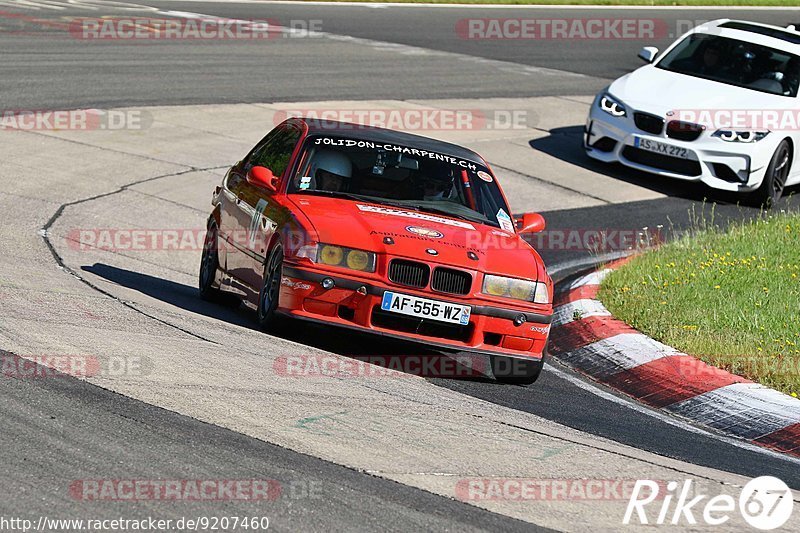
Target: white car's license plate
(662, 148)
(424, 308)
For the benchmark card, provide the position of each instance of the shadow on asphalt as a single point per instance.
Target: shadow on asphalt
(385, 352)
(170, 292)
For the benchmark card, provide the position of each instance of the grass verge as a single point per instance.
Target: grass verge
(730, 298)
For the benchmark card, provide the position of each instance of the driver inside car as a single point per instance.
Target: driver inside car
(331, 171)
(437, 189)
(705, 60)
(791, 76)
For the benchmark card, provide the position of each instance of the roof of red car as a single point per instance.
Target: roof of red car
(373, 133)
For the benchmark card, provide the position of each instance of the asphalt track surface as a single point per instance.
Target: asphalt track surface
(105, 74)
(68, 421)
(53, 427)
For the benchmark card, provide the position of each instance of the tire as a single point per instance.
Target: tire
(771, 189)
(271, 288)
(209, 263)
(515, 371)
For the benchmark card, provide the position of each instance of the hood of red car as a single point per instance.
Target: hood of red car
(365, 226)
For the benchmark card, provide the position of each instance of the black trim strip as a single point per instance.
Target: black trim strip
(340, 282)
(246, 251)
(587, 135)
(483, 310)
(510, 314)
(399, 336)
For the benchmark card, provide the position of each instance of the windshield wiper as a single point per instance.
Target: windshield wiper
(381, 201)
(480, 220)
(336, 194)
(429, 209)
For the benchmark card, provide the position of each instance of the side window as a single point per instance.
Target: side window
(276, 150)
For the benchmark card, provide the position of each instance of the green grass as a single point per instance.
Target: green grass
(603, 2)
(730, 298)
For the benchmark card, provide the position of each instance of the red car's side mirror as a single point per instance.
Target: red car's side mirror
(532, 223)
(262, 177)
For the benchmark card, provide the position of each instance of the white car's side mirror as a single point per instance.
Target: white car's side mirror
(648, 54)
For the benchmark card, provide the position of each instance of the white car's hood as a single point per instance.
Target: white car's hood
(657, 91)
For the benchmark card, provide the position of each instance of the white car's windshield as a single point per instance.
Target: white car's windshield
(401, 176)
(735, 62)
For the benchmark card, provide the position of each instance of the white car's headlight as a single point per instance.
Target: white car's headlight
(611, 106)
(518, 289)
(746, 136)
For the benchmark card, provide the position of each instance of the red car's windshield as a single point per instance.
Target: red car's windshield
(402, 176)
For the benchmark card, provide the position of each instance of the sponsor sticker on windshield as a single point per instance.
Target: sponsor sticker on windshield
(485, 176)
(305, 183)
(409, 214)
(358, 143)
(505, 221)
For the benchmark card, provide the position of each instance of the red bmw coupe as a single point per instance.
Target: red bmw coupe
(383, 232)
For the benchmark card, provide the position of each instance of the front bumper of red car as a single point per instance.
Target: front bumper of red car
(356, 304)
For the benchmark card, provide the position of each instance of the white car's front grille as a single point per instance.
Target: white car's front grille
(684, 131)
(649, 123)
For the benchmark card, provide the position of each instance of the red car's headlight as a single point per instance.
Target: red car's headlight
(518, 289)
(340, 256)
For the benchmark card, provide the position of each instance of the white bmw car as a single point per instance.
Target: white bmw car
(720, 105)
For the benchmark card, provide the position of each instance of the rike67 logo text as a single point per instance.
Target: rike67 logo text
(765, 503)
